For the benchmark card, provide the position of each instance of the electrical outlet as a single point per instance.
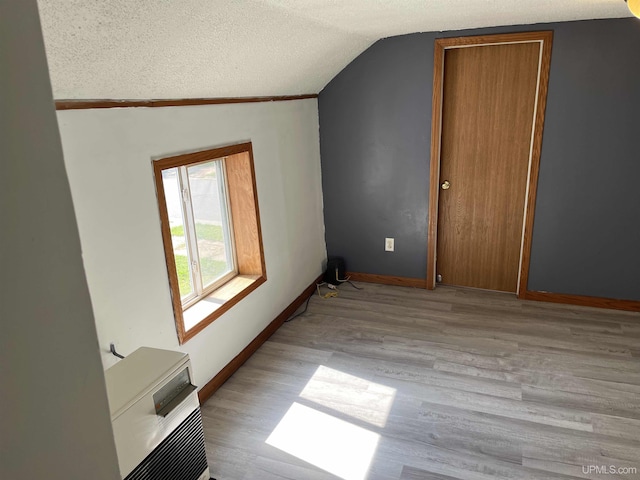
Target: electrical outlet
(389, 244)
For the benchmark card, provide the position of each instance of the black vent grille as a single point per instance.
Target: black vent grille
(180, 456)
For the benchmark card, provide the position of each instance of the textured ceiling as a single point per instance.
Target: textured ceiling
(141, 49)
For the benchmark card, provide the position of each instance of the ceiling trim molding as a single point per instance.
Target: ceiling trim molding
(178, 102)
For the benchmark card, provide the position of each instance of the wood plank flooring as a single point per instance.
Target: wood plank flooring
(396, 383)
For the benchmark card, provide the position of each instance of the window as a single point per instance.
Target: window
(211, 232)
(199, 222)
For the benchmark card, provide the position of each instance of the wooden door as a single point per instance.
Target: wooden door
(489, 95)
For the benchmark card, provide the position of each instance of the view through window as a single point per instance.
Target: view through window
(199, 221)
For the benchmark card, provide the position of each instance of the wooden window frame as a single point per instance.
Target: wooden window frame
(247, 233)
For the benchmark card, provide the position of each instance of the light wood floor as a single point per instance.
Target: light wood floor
(402, 383)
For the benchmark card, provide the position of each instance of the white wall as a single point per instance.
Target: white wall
(54, 420)
(108, 154)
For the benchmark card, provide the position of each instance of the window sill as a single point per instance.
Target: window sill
(201, 314)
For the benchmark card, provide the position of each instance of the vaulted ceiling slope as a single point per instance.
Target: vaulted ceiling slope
(158, 49)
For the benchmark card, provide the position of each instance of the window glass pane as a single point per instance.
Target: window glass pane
(173, 197)
(209, 213)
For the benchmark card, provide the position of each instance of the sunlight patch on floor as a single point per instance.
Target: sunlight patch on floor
(354, 396)
(336, 446)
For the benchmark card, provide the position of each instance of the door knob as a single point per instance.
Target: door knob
(446, 185)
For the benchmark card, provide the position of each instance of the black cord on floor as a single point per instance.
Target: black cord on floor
(309, 299)
(303, 311)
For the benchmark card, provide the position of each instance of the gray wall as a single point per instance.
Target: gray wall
(375, 127)
(54, 420)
